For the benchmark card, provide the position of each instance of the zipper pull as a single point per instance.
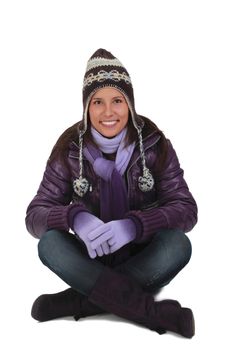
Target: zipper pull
(90, 188)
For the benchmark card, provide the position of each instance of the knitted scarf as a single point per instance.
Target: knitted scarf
(113, 193)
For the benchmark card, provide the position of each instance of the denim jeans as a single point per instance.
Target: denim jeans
(153, 267)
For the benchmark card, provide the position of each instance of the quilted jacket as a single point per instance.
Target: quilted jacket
(169, 205)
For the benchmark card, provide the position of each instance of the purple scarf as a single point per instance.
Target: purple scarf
(114, 202)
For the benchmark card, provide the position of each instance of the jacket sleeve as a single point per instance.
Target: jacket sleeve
(176, 207)
(51, 208)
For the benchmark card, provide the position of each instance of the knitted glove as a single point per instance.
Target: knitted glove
(83, 224)
(117, 233)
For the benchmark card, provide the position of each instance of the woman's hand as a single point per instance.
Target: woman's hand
(115, 233)
(83, 224)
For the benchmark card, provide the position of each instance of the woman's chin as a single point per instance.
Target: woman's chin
(109, 133)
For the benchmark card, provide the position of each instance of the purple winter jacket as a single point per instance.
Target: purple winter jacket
(169, 205)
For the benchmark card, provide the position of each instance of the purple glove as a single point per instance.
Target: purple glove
(116, 233)
(83, 224)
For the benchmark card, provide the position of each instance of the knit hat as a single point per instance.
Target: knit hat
(105, 70)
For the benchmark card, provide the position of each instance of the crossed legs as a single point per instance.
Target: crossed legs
(153, 267)
(114, 290)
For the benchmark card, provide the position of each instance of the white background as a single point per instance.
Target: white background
(179, 55)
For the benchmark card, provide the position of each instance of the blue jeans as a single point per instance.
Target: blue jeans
(153, 267)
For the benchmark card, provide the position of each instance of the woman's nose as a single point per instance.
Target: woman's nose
(108, 110)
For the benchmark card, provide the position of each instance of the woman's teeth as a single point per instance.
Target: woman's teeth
(110, 123)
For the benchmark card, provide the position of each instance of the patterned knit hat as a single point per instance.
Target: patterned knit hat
(105, 70)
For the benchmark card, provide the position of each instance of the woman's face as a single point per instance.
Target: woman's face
(108, 111)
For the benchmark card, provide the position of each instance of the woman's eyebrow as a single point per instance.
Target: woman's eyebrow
(100, 98)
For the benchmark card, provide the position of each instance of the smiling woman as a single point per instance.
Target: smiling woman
(112, 210)
(108, 112)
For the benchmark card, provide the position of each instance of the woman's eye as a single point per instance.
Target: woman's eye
(118, 100)
(96, 102)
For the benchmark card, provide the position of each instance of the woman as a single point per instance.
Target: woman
(112, 210)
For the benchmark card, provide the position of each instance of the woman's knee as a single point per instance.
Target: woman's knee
(184, 246)
(46, 245)
(178, 245)
(160, 261)
(175, 251)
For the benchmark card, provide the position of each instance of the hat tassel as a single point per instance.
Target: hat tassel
(146, 181)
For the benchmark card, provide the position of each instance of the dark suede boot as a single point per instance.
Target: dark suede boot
(88, 309)
(67, 303)
(121, 295)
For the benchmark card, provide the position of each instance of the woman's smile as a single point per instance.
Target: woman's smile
(110, 123)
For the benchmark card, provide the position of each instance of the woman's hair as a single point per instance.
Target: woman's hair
(61, 148)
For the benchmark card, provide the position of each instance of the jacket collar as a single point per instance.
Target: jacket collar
(148, 141)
